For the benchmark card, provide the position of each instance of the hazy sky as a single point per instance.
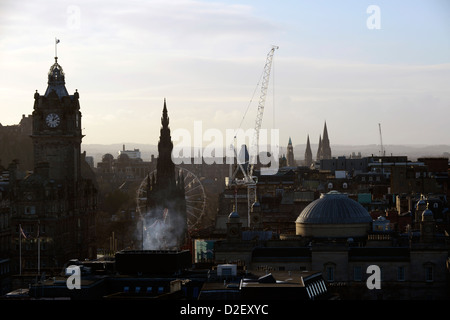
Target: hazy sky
(206, 58)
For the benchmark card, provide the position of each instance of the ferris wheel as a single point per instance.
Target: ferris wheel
(194, 194)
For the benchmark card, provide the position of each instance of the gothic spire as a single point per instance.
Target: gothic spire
(325, 134)
(308, 153)
(319, 148)
(326, 149)
(165, 117)
(165, 168)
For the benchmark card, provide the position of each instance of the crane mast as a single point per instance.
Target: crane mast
(261, 104)
(249, 180)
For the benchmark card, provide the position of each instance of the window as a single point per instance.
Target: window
(357, 273)
(30, 210)
(401, 273)
(330, 273)
(226, 271)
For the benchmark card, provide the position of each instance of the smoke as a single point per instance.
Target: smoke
(164, 229)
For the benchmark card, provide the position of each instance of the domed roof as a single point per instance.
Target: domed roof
(427, 213)
(421, 204)
(234, 215)
(334, 208)
(107, 157)
(56, 80)
(256, 204)
(123, 157)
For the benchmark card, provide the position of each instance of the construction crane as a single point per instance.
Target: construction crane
(381, 142)
(249, 180)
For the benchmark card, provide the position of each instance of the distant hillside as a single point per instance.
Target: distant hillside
(411, 151)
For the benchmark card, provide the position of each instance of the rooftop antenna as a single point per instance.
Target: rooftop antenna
(383, 153)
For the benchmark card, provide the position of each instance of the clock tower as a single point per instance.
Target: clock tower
(56, 131)
(54, 207)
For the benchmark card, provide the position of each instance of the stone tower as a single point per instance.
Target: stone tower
(166, 203)
(55, 205)
(56, 132)
(290, 154)
(427, 226)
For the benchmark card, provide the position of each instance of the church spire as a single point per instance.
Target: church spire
(326, 149)
(308, 153)
(325, 134)
(319, 148)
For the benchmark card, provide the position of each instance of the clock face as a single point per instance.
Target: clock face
(52, 120)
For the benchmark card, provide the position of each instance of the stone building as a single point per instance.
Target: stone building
(53, 208)
(333, 215)
(16, 143)
(340, 242)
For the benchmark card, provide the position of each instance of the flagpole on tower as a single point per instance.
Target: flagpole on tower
(56, 52)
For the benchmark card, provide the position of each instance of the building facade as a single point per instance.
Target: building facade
(412, 265)
(53, 208)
